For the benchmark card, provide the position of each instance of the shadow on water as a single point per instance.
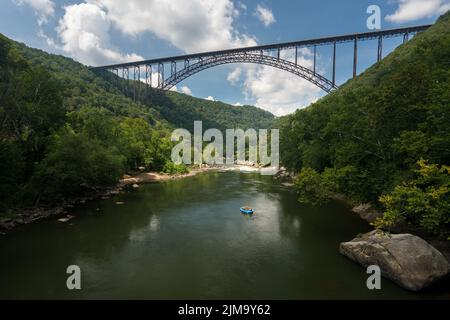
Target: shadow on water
(186, 238)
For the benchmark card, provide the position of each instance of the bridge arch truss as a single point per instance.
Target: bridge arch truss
(261, 59)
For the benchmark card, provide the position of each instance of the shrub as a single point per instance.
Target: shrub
(173, 169)
(311, 187)
(422, 202)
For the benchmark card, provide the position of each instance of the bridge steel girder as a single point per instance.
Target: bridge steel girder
(275, 62)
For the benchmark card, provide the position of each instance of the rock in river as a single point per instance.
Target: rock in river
(66, 218)
(404, 258)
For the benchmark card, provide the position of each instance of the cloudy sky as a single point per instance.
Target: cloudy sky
(97, 32)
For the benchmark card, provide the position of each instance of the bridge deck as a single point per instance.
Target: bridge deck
(285, 45)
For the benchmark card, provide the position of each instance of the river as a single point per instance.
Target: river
(186, 239)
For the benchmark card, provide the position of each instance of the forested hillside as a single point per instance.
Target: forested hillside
(182, 110)
(67, 130)
(367, 139)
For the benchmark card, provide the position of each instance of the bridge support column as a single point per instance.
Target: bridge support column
(135, 77)
(355, 57)
(296, 53)
(123, 79)
(139, 81)
(380, 49)
(334, 63)
(160, 75)
(405, 37)
(315, 50)
(148, 75)
(115, 73)
(173, 68)
(127, 77)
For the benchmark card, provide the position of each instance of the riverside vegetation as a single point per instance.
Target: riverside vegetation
(382, 138)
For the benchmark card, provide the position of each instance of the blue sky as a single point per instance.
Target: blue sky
(98, 32)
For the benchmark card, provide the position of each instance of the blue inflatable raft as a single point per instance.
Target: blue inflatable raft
(246, 210)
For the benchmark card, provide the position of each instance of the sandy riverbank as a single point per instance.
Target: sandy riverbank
(146, 177)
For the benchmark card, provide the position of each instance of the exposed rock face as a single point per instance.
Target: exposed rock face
(366, 212)
(404, 258)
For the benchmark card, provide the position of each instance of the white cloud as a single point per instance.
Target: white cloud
(49, 40)
(186, 90)
(210, 98)
(43, 8)
(84, 32)
(234, 76)
(411, 10)
(237, 104)
(278, 91)
(243, 6)
(192, 26)
(153, 79)
(264, 15)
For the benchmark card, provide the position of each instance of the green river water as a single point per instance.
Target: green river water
(186, 239)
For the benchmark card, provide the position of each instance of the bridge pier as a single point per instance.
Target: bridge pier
(148, 75)
(135, 77)
(296, 54)
(334, 63)
(173, 68)
(315, 50)
(160, 75)
(355, 57)
(380, 49)
(127, 83)
(405, 37)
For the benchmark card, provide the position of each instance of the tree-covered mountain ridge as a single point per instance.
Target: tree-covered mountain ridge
(383, 137)
(178, 109)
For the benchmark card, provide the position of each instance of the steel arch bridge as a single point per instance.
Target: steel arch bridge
(282, 64)
(184, 66)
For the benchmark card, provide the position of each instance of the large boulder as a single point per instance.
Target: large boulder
(404, 258)
(366, 212)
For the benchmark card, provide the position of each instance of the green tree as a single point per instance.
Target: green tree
(311, 188)
(75, 163)
(423, 201)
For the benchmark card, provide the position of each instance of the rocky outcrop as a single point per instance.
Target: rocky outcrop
(33, 214)
(366, 212)
(285, 177)
(404, 258)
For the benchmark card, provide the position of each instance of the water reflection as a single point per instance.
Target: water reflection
(186, 239)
